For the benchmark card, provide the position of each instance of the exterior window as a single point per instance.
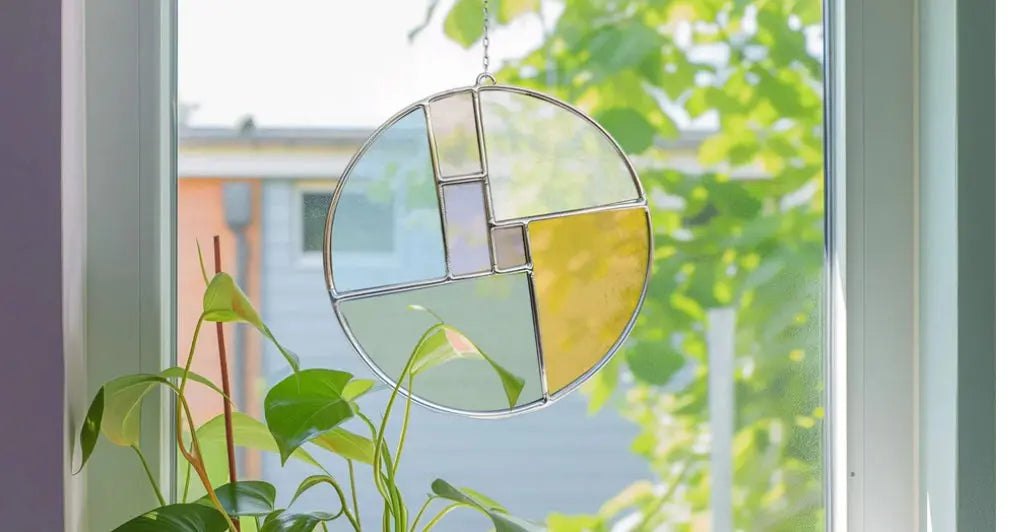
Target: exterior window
(376, 238)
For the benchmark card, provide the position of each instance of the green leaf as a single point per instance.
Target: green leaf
(295, 522)
(631, 130)
(92, 427)
(357, 387)
(602, 386)
(249, 433)
(121, 414)
(177, 373)
(245, 498)
(306, 405)
(191, 517)
(653, 362)
(509, 10)
(502, 521)
(465, 22)
(224, 302)
(347, 444)
(445, 343)
(575, 523)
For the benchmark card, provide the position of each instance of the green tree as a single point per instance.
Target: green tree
(752, 245)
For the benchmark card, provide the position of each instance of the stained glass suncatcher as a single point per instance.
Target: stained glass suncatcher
(518, 221)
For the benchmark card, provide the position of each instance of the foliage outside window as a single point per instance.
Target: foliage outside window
(752, 246)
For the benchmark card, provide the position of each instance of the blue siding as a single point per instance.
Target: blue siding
(557, 459)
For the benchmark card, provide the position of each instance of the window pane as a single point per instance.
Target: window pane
(709, 418)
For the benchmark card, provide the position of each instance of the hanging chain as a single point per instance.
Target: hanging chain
(486, 75)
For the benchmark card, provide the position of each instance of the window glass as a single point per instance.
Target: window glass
(710, 418)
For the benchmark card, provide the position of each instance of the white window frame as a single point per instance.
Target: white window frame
(907, 120)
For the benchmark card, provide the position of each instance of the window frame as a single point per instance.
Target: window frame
(884, 120)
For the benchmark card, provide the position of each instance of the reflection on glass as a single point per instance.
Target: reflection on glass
(466, 228)
(494, 312)
(543, 158)
(589, 270)
(395, 175)
(455, 130)
(509, 247)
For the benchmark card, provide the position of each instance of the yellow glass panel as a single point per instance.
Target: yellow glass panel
(588, 273)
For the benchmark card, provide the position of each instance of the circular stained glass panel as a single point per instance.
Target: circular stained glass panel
(507, 222)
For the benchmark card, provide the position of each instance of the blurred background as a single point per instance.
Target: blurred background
(711, 417)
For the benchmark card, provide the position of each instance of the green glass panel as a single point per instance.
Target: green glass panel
(494, 312)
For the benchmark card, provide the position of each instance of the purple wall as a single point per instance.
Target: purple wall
(31, 350)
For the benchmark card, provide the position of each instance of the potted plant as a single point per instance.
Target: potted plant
(307, 408)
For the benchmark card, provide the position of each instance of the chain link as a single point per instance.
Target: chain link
(486, 75)
(487, 42)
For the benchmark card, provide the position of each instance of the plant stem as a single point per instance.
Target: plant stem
(229, 432)
(182, 406)
(354, 489)
(150, 476)
(403, 429)
(185, 485)
(417, 518)
(438, 517)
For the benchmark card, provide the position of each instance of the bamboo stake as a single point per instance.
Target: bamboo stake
(225, 383)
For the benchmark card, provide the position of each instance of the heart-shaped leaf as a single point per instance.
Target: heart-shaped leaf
(347, 444)
(224, 301)
(121, 415)
(245, 498)
(502, 521)
(249, 433)
(115, 410)
(445, 343)
(191, 517)
(306, 405)
(295, 522)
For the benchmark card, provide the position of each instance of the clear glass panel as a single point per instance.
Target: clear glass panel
(509, 247)
(711, 416)
(466, 229)
(588, 274)
(494, 312)
(542, 158)
(392, 184)
(455, 129)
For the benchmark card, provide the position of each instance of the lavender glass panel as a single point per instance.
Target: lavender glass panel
(509, 247)
(466, 229)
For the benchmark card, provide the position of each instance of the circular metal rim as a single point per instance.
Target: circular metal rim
(548, 398)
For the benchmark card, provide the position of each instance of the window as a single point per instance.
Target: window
(874, 77)
(377, 238)
(712, 416)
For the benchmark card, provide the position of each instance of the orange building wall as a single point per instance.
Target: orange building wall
(201, 217)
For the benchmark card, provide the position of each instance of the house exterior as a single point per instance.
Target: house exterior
(266, 192)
